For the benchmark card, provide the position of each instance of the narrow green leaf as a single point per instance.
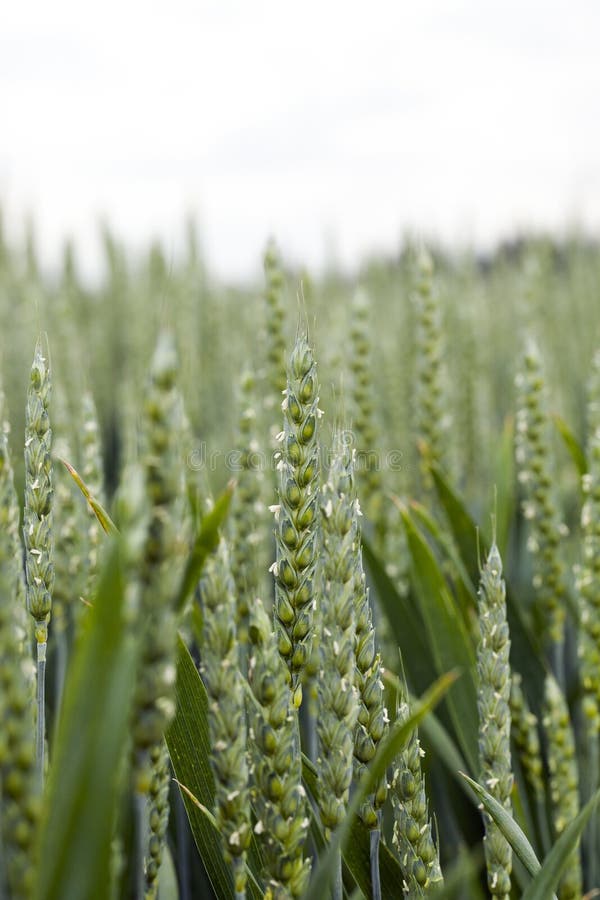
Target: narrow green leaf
(507, 826)
(356, 852)
(572, 444)
(388, 749)
(520, 806)
(449, 643)
(84, 784)
(436, 736)
(404, 621)
(447, 544)
(463, 526)
(445, 547)
(103, 517)
(525, 647)
(189, 748)
(557, 860)
(212, 821)
(205, 542)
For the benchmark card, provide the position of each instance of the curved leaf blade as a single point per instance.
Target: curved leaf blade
(404, 621)
(507, 826)
(447, 638)
(84, 784)
(572, 444)
(546, 880)
(189, 748)
(463, 526)
(525, 647)
(107, 524)
(205, 542)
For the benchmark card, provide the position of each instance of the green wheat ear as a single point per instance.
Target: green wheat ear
(275, 318)
(92, 474)
(248, 549)
(19, 802)
(337, 695)
(429, 394)
(373, 720)
(297, 516)
(413, 832)
(278, 795)
(69, 525)
(564, 779)
(37, 516)
(493, 701)
(220, 671)
(158, 818)
(588, 580)
(539, 507)
(37, 528)
(362, 395)
(154, 704)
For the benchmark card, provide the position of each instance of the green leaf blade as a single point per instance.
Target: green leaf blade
(548, 877)
(84, 784)
(507, 825)
(189, 748)
(447, 638)
(205, 542)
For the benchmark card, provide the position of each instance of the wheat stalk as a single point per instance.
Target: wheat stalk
(37, 527)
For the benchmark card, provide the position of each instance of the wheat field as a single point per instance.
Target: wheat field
(300, 579)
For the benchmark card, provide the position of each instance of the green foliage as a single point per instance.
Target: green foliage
(382, 810)
(539, 506)
(205, 542)
(448, 640)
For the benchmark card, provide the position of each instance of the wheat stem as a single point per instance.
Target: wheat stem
(37, 526)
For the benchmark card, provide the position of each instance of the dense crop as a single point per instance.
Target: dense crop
(251, 531)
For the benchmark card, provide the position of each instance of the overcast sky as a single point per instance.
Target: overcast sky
(331, 125)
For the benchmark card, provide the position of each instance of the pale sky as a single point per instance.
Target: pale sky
(326, 124)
